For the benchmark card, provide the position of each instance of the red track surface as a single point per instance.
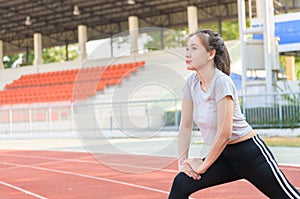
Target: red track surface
(52, 174)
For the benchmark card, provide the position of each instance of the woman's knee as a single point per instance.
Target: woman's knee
(183, 186)
(180, 182)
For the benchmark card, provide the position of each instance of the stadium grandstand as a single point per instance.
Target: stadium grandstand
(91, 93)
(41, 97)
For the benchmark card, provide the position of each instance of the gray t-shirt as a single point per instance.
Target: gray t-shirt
(205, 105)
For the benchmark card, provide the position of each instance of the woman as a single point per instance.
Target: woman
(236, 152)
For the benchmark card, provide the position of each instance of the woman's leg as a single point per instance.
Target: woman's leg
(267, 177)
(220, 172)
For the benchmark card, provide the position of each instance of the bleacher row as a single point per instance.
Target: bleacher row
(67, 85)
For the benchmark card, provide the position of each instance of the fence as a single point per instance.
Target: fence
(277, 110)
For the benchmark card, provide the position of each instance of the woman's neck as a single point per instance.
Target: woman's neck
(206, 75)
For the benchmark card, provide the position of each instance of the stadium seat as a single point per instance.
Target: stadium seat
(67, 85)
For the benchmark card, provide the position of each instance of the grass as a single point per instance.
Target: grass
(282, 141)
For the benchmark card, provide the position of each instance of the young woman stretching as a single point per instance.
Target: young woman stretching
(236, 152)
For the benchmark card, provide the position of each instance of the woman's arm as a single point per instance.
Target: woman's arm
(224, 130)
(185, 130)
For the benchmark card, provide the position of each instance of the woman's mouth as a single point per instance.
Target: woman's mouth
(188, 62)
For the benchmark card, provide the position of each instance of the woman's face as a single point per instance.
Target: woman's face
(196, 55)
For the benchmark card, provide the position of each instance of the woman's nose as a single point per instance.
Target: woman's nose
(187, 53)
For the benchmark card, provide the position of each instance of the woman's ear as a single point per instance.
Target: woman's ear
(211, 54)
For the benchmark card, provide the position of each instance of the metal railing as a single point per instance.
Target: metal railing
(276, 110)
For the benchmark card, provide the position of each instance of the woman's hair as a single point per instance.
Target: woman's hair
(212, 40)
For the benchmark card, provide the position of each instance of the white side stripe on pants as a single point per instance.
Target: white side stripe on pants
(277, 173)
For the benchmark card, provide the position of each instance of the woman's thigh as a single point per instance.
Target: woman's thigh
(253, 161)
(267, 176)
(220, 172)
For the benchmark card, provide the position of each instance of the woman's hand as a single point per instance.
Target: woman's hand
(195, 164)
(185, 168)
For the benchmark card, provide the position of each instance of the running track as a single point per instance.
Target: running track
(31, 174)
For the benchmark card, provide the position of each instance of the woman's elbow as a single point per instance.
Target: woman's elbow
(186, 127)
(186, 123)
(225, 131)
(226, 135)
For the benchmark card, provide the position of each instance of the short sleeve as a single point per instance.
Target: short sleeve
(224, 87)
(186, 90)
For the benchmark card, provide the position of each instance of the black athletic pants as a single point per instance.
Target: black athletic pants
(250, 160)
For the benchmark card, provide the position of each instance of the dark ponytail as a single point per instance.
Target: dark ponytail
(212, 40)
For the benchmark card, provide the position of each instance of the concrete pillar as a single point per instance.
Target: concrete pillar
(259, 9)
(82, 39)
(1, 55)
(243, 39)
(37, 38)
(290, 68)
(269, 38)
(133, 24)
(192, 18)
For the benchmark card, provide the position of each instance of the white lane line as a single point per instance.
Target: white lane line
(99, 178)
(286, 166)
(87, 176)
(22, 190)
(87, 161)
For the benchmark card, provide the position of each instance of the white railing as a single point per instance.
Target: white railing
(272, 110)
(275, 110)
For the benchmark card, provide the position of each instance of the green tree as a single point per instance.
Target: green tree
(165, 38)
(230, 29)
(58, 53)
(9, 60)
(49, 55)
(175, 38)
(297, 67)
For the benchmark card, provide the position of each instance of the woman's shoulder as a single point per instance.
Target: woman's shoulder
(192, 78)
(222, 78)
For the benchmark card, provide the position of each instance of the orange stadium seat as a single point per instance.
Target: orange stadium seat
(67, 85)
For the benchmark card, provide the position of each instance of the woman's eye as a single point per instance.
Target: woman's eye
(194, 48)
(187, 49)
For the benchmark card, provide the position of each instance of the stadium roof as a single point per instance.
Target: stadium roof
(104, 18)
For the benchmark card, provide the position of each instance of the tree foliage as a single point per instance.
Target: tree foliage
(49, 55)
